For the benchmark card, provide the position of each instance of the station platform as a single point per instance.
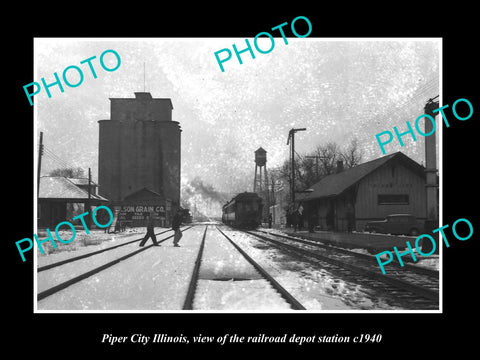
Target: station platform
(369, 241)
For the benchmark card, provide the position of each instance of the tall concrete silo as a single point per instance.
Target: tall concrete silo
(139, 148)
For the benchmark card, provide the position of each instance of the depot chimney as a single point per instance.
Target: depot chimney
(339, 166)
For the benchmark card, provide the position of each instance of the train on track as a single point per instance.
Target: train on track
(186, 216)
(243, 211)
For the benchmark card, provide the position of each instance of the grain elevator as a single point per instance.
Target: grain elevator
(139, 158)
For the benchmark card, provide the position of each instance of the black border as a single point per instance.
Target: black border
(61, 335)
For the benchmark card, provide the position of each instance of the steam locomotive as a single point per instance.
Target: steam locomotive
(186, 216)
(243, 211)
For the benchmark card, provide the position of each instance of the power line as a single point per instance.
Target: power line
(56, 164)
(424, 90)
(59, 163)
(58, 159)
(394, 113)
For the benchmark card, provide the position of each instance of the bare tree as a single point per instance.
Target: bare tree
(327, 157)
(352, 155)
(77, 172)
(308, 171)
(312, 167)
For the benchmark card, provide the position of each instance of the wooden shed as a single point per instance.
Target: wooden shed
(61, 199)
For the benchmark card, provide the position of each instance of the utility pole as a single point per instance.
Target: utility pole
(273, 201)
(89, 196)
(40, 153)
(291, 136)
(431, 177)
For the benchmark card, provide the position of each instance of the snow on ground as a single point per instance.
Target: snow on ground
(158, 278)
(155, 279)
(360, 251)
(216, 289)
(220, 260)
(48, 278)
(82, 240)
(431, 262)
(231, 295)
(274, 231)
(97, 240)
(315, 288)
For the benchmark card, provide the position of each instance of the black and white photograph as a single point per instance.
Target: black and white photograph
(212, 181)
(262, 187)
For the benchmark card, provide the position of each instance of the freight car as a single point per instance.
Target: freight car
(243, 211)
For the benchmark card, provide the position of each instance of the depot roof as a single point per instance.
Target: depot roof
(335, 184)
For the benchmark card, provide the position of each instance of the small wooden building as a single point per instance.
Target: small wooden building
(349, 198)
(61, 199)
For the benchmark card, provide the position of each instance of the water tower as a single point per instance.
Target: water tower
(260, 185)
(260, 162)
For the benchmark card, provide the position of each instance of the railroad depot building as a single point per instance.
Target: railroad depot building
(139, 159)
(392, 184)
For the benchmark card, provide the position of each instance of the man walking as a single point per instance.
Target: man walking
(150, 233)
(176, 222)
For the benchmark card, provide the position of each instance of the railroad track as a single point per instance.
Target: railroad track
(63, 285)
(265, 285)
(412, 286)
(193, 285)
(417, 269)
(83, 256)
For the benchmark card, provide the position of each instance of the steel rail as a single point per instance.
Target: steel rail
(76, 279)
(188, 304)
(294, 303)
(417, 269)
(418, 290)
(79, 257)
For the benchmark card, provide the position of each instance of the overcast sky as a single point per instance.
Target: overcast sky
(336, 88)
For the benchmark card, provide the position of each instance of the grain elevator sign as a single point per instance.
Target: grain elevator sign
(139, 212)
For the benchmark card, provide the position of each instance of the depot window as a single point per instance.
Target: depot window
(393, 199)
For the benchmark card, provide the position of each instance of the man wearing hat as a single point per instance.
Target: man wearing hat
(150, 233)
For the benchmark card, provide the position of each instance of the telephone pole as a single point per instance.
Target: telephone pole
(40, 153)
(431, 184)
(89, 197)
(291, 141)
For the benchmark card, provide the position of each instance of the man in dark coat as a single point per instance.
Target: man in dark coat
(295, 220)
(176, 222)
(150, 233)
